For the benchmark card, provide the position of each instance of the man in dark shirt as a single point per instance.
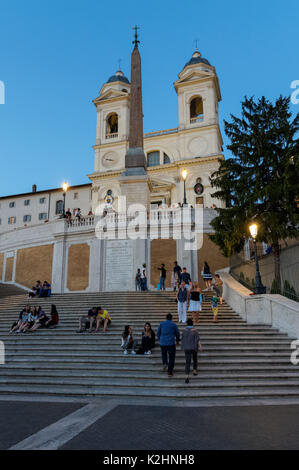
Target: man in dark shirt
(177, 270)
(162, 277)
(168, 334)
(88, 320)
(186, 278)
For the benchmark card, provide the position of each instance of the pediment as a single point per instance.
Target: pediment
(110, 94)
(194, 75)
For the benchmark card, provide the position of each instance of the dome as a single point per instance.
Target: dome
(197, 59)
(118, 77)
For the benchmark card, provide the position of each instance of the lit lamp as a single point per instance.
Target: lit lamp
(184, 175)
(65, 187)
(259, 288)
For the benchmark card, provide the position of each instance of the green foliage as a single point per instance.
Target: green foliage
(275, 288)
(261, 182)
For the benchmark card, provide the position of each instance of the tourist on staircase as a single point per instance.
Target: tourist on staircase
(195, 300)
(190, 344)
(186, 278)
(177, 272)
(32, 320)
(138, 280)
(88, 320)
(54, 320)
(207, 276)
(127, 341)
(22, 315)
(218, 287)
(35, 289)
(148, 340)
(182, 298)
(162, 276)
(168, 334)
(45, 290)
(103, 319)
(40, 321)
(214, 304)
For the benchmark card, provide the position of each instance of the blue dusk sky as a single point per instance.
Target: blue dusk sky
(56, 55)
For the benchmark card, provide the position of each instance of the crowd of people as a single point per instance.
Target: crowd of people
(31, 319)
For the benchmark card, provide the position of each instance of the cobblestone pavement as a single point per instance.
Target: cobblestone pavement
(143, 427)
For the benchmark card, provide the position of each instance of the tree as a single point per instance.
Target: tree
(261, 181)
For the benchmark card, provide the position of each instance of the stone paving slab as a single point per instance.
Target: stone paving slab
(130, 427)
(19, 420)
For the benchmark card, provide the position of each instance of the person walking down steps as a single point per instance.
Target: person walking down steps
(168, 334)
(214, 304)
(190, 344)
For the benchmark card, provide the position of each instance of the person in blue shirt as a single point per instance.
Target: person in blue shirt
(168, 334)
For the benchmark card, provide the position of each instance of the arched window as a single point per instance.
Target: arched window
(166, 159)
(153, 158)
(196, 110)
(112, 126)
(59, 207)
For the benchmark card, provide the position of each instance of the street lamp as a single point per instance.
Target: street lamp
(259, 288)
(65, 187)
(184, 175)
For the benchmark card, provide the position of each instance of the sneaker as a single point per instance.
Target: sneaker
(164, 369)
(125, 352)
(195, 372)
(133, 352)
(187, 381)
(170, 374)
(79, 331)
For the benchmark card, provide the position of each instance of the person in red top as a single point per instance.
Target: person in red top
(54, 320)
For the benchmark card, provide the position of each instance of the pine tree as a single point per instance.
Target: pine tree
(261, 182)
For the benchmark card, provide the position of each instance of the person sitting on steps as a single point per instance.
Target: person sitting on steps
(128, 341)
(103, 319)
(88, 320)
(148, 340)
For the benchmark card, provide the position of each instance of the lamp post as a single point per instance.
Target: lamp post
(184, 175)
(259, 288)
(65, 187)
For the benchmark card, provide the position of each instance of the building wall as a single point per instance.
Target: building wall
(76, 197)
(9, 269)
(162, 251)
(212, 254)
(78, 267)
(1, 265)
(34, 263)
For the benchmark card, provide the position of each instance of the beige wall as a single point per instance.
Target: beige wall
(162, 251)
(1, 264)
(212, 254)
(9, 269)
(78, 267)
(34, 264)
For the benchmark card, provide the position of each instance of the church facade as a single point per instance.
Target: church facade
(36, 243)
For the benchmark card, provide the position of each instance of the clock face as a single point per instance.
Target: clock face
(109, 160)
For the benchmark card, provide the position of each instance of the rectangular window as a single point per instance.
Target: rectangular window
(27, 202)
(27, 218)
(12, 204)
(42, 216)
(12, 220)
(42, 200)
(75, 195)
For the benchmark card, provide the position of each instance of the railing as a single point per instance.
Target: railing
(80, 222)
(112, 136)
(196, 119)
(163, 132)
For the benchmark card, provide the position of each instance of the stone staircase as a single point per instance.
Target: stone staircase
(240, 361)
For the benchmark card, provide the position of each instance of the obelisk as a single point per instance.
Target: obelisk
(134, 180)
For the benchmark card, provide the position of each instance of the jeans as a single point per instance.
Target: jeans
(144, 283)
(162, 283)
(182, 311)
(168, 356)
(188, 355)
(137, 285)
(146, 343)
(130, 345)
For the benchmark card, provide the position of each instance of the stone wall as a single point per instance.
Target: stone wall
(9, 269)
(212, 254)
(162, 251)
(34, 263)
(1, 265)
(78, 267)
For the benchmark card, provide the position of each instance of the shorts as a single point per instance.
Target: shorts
(103, 321)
